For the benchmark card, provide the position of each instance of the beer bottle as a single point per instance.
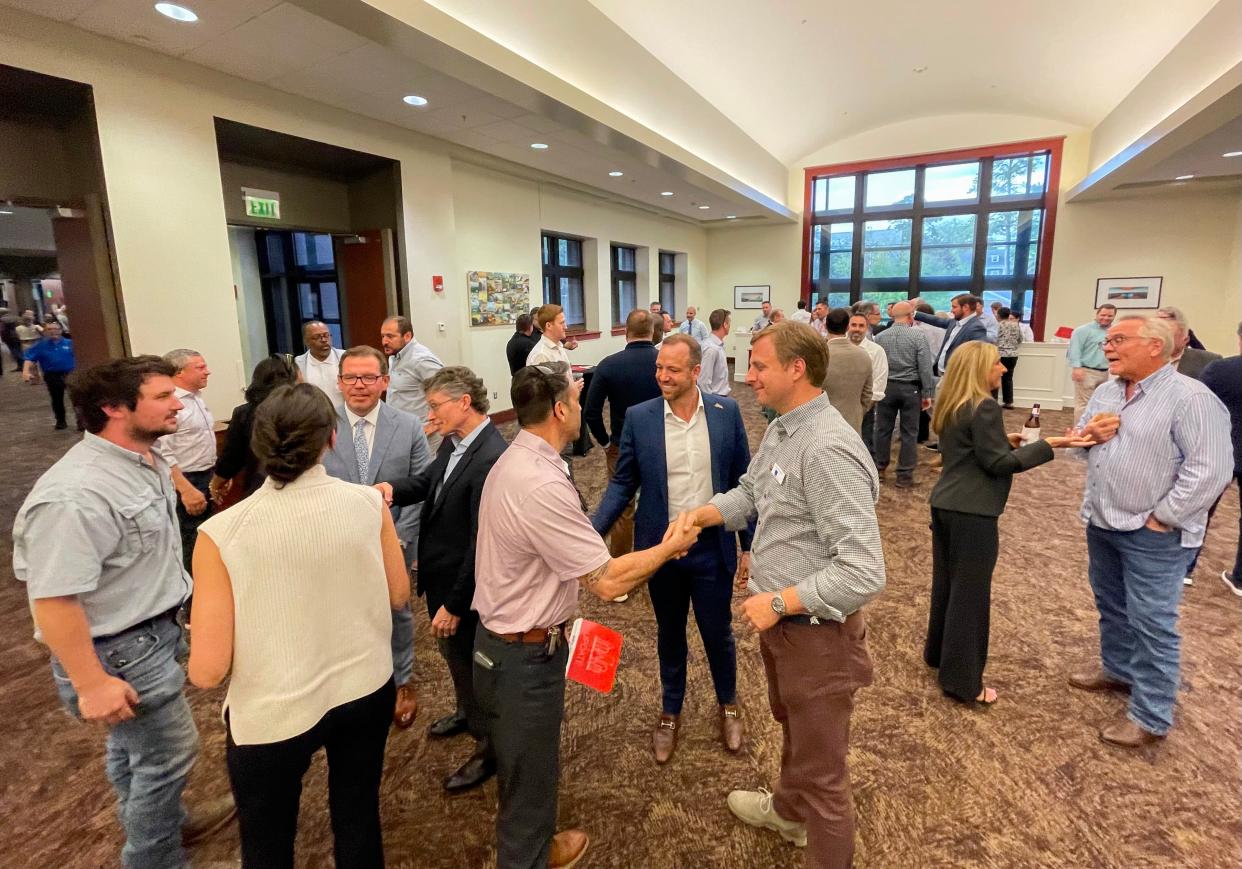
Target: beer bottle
(1030, 428)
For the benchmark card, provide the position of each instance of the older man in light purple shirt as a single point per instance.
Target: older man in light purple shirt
(535, 547)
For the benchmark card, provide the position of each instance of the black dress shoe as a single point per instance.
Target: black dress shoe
(449, 725)
(478, 769)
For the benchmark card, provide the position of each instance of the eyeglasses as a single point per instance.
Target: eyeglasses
(368, 379)
(1116, 340)
(433, 406)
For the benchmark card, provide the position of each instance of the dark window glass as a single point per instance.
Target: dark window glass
(562, 278)
(624, 283)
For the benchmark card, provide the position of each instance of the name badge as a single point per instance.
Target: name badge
(778, 474)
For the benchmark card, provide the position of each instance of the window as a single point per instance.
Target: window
(975, 221)
(562, 278)
(297, 271)
(668, 282)
(624, 282)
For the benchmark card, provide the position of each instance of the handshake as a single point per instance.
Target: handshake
(681, 534)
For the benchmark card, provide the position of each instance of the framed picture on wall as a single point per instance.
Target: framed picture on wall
(497, 298)
(752, 296)
(1128, 292)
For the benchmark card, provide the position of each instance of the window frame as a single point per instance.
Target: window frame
(978, 282)
(555, 271)
(670, 277)
(619, 275)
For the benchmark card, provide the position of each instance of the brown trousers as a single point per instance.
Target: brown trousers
(813, 672)
(621, 538)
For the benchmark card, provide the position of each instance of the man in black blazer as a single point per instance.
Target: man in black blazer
(1186, 359)
(965, 325)
(450, 489)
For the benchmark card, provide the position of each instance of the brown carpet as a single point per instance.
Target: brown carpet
(1027, 783)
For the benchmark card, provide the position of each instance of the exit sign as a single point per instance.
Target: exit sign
(263, 204)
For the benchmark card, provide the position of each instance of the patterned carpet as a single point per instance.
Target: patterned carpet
(1027, 783)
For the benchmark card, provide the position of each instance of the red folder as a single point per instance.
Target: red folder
(1065, 332)
(594, 655)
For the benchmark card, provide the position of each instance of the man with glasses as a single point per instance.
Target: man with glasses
(1088, 368)
(1145, 506)
(319, 365)
(375, 441)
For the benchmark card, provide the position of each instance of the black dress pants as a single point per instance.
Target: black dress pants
(458, 654)
(1010, 363)
(55, 381)
(521, 690)
(964, 550)
(189, 524)
(267, 785)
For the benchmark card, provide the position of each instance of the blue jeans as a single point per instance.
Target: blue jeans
(403, 645)
(149, 757)
(1137, 580)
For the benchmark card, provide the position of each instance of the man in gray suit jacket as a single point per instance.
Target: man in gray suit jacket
(1186, 359)
(848, 384)
(377, 442)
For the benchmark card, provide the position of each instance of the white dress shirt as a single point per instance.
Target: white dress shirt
(547, 351)
(948, 340)
(879, 368)
(192, 447)
(688, 457)
(368, 430)
(714, 377)
(1027, 334)
(802, 315)
(324, 374)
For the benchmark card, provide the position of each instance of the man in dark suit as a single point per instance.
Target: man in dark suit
(521, 342)
(375, 441)
(1186, 359)
(450, 489)
(679, 450)
(1224, 378)
(624, 379)
(965, 325)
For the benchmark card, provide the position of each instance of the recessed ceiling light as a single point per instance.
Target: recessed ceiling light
(1183, 177)
(616, 173)
(667, 193)
(176, 13)
(920, 69)
(539, 146)
(1232, 154)
(730, 217)
(414, 100)
(4, 211)
(704, 207)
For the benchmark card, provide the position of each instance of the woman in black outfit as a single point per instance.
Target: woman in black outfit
(276, 370)
(979, 462)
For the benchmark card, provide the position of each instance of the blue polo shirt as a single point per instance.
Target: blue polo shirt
(53, 357)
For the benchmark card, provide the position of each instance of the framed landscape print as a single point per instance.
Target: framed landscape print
(751, 296)
(1128, 292)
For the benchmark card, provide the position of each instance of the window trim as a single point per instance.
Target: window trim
(560, 271)
(617, 275)
(671, 277)
(1050, 199)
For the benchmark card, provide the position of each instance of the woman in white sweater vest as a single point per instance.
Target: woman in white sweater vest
(293, 592)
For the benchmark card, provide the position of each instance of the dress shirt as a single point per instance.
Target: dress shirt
(1171, 456)
(933, 335)
(547, 351)
(821, 326)
(813, 487)
(101, 525)
(761, 322)
(534, 541)
(407, 370)
(696, 329)
(989, 323)
(1027, 334)
(368, 430)
(879, 368)
(714, 378)
(801, 316)
(192, 447)
(324, 374)
(688, 457)
(1086, 347)
(460, 445)
(909, 357)
(948, 340)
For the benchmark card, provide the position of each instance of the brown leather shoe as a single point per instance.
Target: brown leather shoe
(1127, 734)
(568, 846)
(664, 737)
(206, 818)
(1097, 681)
(406, 708)
(731, 726)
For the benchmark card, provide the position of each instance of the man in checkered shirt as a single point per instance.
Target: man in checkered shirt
(816, 560)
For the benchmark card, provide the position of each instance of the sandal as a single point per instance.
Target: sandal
(986, 697)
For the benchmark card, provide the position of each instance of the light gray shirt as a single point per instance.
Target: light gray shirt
(1171, 457)
(101, 525)
(407, 369)
(696, 329)
(813, 488)
(460, 445)
(192, 447)
(714, 376)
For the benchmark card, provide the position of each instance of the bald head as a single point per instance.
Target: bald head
(902, 312)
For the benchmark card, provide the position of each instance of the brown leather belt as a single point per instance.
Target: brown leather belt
(534, 637)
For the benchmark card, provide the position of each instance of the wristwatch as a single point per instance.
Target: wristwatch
(778, 605)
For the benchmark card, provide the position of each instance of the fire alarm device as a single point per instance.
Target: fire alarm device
(437, 283)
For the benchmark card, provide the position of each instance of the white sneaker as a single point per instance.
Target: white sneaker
(1229, 583)
(1190, 580)
(755, 808)
(622, 599)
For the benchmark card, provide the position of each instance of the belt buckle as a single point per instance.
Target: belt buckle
(554, 639)
(814, 620)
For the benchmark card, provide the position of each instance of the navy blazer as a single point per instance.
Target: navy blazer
(641, 465)
(625, 378)
(975, 330)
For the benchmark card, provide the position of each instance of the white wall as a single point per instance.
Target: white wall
(244, 260)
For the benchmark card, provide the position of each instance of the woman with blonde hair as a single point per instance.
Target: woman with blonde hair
(979, 462)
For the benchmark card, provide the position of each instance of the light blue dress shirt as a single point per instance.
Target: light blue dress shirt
(1086, 347)
(460, 445)
(696, 329)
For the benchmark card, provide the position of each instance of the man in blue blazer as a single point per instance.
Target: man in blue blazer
(677, 451)
(965, 325)
(378, 442)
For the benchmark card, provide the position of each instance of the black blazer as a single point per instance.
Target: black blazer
(979, 464)
(448, 524)
(236, 456)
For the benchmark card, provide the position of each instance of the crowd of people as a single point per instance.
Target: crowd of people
(286, 559)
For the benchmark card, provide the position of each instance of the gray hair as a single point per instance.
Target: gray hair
(1156, 329)
(864, 307)
(456, 381)
(180, 357)
(1168, 312)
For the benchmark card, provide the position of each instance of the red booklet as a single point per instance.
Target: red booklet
(1064, 332)
(594, 655)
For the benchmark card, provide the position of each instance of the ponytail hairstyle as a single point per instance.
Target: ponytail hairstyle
(291, 429)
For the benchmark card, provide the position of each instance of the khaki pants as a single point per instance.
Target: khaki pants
(621, 538)
(813, 672)
(1084, 388)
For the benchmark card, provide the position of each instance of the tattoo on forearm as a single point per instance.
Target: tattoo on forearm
(595, 575)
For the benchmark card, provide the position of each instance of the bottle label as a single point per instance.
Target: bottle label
(1029, 435)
